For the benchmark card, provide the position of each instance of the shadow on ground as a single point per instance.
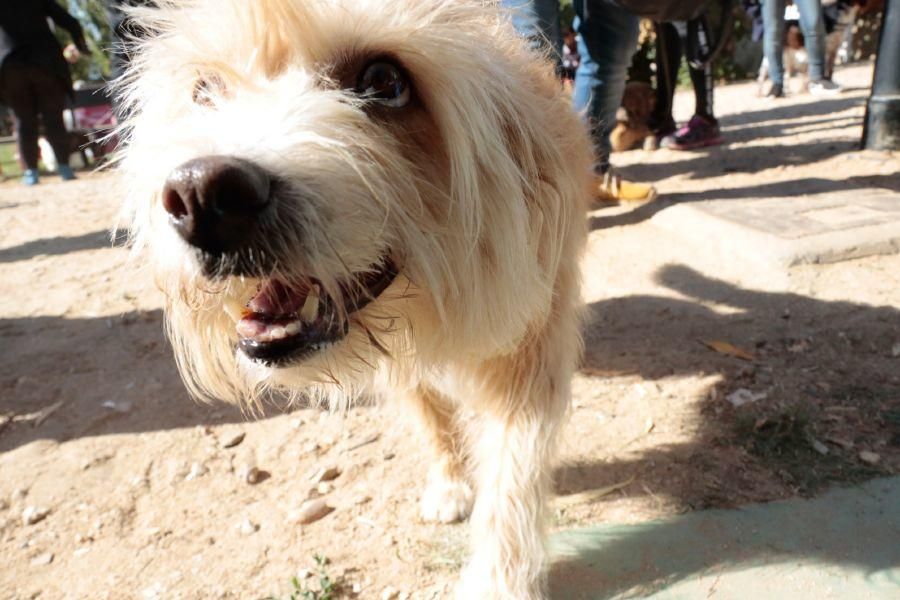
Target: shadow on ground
(827, 368)
(62, 245)
(123, 361)
(736, 156)
(810, 185)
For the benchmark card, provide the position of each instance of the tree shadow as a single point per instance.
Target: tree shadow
(829, 373)
(809, 354)
(716, 161)
(809, 185)
(112, 374)
(63, 245)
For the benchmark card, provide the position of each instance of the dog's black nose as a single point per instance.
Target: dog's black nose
(215, 201)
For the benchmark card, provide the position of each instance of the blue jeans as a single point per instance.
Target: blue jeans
(606, 42)
(607, 39)
(812, 23)
(538, 21)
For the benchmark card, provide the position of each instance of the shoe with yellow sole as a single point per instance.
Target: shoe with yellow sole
(610, 187)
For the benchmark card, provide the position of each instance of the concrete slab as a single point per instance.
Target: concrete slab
(844, 544)
(787, 231)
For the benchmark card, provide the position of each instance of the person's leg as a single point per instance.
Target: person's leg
(668, 57)
(702, 129)
(20, 96)
(702, 78)
(812, 22)
(773, 39)
(51, 102)
(538, 21)
(607, 40)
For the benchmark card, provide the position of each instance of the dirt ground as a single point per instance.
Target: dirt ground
(145, 490)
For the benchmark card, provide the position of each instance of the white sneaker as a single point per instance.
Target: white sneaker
(824, 87)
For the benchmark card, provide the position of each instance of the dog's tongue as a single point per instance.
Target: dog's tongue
(277, 298)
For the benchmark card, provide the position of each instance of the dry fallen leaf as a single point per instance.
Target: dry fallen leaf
(729, 349)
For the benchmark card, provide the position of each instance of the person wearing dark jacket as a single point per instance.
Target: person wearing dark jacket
(35, 78)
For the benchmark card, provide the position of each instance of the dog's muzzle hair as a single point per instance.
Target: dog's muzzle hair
(385, 196)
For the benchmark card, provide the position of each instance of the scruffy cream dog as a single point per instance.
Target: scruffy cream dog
(372, 196)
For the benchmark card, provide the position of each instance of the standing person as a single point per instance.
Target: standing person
(673, 40)
(812, 23)
(607, 38)
(35, 78)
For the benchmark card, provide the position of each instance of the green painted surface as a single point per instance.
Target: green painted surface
(844, 544)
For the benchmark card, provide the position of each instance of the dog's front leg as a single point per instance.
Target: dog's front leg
(514, 454)
(447, 497)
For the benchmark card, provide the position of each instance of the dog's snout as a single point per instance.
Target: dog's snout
(215, 201)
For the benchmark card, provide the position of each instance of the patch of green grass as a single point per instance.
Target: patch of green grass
(326, 588)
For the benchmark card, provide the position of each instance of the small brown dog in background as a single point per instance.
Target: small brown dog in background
(631, 128)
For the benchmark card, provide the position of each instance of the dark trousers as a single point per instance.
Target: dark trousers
(673, 40)
(33, 93)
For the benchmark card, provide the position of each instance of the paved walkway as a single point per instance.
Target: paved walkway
(843, 545)
(788, 187)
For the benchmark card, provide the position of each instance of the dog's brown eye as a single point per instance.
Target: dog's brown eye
(206, 88)
(384, 83)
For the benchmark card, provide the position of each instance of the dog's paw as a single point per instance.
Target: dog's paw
(446, 500)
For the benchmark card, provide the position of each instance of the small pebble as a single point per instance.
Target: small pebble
(326, 474)
(197, 470)
(324, 488)
(42, 559)
(389, 593)
(248, 527)
(232, 440)
(895, 350)
(34, 514)
(869, 457)
(250, 474)
(122, 406)
(310, 511)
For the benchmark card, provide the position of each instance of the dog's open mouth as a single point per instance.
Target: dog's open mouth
(285, 323)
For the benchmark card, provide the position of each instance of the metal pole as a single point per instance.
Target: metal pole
(882, 126)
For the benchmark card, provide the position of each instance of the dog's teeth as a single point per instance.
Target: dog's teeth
(292, 328)
(278, 333)
(311, 305)
(248, 329)
(265, 336)
(234, 309)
